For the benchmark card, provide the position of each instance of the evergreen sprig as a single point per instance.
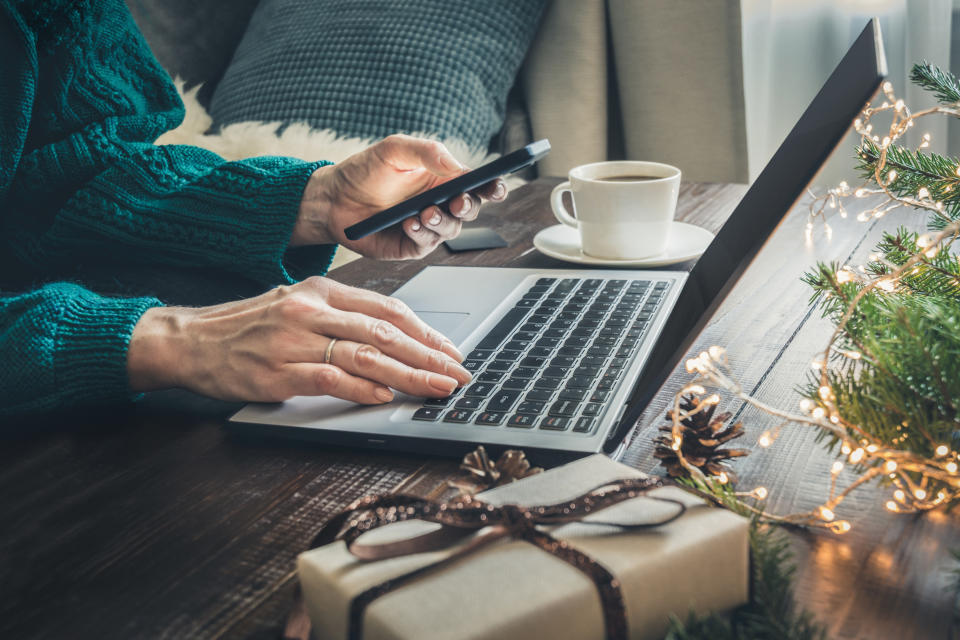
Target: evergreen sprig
(771, 614)
(944, 86)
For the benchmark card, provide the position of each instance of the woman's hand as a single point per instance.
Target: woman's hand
(275, 346)
(389, 172)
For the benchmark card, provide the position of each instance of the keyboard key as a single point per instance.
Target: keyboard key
(578, 382)
(592, 409)
(479, 390)
(490, 376)
(437, 402)
(534, 294)
(525, 335)
(575, 341)
(599, 351)
(584, 331)
(556, 372)
(540, 352)
(545, 281)
(593, 361)
(624, 352)
(531, 361)
(587, 370)
(480, 354)
(547, 383)
(516, 345)
(427, 414)
(473, 365)
(562, 361)
(572, 394)
(555, 423)
(500, 365)
(567, 284)
(503, 400)
(490, 418)
(605, 341)
(584, 425)
(511, 355)
(531, 408)
(599, 396)
(554, 333)
(564, 408)
(660, 285)
(614, 285)
(458, 416)
(522, 304)
(516, 383)
(530, 327)
(527, 373)
(503, 328)
(468, 404)
(547, 343)
(607, 382)
(616, 364)
(615, 322)
(538, 395)
(522, 421)
(570, 351)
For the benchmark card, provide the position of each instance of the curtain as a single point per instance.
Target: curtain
(791, 46)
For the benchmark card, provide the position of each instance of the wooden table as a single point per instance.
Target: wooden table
(151, 521)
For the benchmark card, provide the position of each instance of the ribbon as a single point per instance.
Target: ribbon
(467, 515)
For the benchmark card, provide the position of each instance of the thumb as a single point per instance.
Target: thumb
(406, 153)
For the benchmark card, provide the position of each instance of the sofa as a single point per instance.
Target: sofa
(603, 79)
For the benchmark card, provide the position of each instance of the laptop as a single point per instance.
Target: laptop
(565, 361)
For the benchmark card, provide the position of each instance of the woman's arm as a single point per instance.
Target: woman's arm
(63, 345)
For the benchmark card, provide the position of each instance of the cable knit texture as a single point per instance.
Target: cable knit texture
(82, 183)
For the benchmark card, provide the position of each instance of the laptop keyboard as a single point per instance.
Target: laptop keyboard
(555, 358)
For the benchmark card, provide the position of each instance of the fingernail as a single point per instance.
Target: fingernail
(465, 205)
(459, 372)
(383, 394)
(434, 220)
(445, 384)
(415, 226)
(452, 350)
(500, 191)
(450, 162)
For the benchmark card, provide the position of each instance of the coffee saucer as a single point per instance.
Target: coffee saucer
(686, 242)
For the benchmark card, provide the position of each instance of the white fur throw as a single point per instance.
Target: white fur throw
(297, 140)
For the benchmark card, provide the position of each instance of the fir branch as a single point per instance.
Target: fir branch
(942, 84)
(772, 612)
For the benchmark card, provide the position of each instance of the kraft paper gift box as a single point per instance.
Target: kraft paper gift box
(512, 589)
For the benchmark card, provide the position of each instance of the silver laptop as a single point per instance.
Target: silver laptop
(565, 361)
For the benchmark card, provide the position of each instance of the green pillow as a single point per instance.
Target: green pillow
(369, 68)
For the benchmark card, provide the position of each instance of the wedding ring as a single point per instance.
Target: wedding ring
(328, 355)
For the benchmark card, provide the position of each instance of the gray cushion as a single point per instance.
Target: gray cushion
(369, 68)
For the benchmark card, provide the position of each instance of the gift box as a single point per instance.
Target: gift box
(674, 554)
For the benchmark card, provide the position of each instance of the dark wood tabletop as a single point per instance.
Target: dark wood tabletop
(152, 521)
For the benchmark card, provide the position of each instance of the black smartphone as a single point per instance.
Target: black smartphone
(440, 194)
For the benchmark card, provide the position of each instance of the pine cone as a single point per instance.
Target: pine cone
(702, 434)
(482, 473)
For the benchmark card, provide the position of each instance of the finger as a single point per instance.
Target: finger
(442, 224)
(386, 337)
(366, 361)
(465, 206)
(392, 310)
(421, 235)
(495, 190)
(406, 153)
(309, 379)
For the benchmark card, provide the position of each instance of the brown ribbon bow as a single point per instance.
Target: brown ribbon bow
(466, 515)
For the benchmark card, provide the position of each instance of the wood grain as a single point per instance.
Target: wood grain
(152, 522)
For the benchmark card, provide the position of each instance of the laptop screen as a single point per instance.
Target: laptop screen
(802, 153)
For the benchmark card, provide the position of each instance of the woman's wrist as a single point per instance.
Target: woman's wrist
(154, 355)
(314, 214)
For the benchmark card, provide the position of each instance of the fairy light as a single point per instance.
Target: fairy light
(890, 466)
(900, 495)
(942, 450)
(826, 514)
(723, 478)
(818, 413)
(892, 506)
(836, 467)
(760, 493)
(765, 440)
(920, 494)
(951, 467)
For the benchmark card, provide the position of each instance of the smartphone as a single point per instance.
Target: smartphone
(448, 190)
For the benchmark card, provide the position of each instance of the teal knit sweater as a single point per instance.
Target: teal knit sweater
(81, 183)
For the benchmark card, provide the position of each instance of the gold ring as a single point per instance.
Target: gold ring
(329, 353)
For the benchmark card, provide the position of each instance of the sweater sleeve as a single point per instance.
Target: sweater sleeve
(82, 182)
(62, 345)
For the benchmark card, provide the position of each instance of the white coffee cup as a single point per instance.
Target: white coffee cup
(619, 218)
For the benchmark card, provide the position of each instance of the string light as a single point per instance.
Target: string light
(942, 450)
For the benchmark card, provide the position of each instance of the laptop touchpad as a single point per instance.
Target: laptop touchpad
(446, 322)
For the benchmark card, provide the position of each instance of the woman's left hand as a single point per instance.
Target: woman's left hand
(389, 172)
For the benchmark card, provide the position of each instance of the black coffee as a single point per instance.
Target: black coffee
(629, 178)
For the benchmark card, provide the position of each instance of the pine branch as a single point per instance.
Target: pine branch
(943, 85)
(772, 612)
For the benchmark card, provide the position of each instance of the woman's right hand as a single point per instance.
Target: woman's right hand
(272, 347)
